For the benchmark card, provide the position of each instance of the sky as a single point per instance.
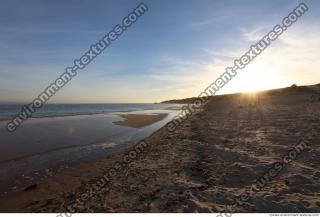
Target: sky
(173, 51)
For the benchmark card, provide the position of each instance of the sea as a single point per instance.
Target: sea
(59, 137)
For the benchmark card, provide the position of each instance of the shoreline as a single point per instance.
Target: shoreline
(36, 165)
(129, 120)
(202, 166)
(139, 120)
(166, 107)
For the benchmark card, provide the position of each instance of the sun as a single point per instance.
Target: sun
(255, 78)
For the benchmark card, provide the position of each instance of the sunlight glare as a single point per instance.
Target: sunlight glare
(255, 78)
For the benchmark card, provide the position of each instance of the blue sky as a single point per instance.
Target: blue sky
(173, 51)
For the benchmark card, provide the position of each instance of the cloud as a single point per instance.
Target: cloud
(203, 24)
(293, 58)
(254, 34)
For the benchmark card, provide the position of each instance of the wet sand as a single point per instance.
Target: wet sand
(139, 120)
(45, 147)
(211, 159)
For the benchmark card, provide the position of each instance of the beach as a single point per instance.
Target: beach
(55, 141)
(139, 120)
(210, 160)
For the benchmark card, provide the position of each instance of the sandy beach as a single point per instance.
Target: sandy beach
(205, 165)
(49, 145)
(139, 120)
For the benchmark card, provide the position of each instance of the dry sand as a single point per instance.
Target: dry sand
(139, 120)
(214, 156)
